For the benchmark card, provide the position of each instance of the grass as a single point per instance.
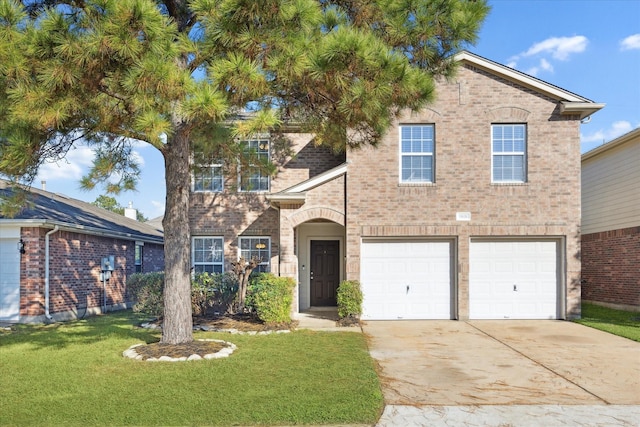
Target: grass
(74, 374)
(618, 322)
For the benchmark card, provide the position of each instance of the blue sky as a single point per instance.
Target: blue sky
(589, 47)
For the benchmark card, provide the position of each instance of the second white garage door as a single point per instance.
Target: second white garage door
(406, 279)
(513, 280)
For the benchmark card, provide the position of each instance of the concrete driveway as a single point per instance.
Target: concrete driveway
(511, 362)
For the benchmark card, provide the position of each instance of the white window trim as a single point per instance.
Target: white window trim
(208, 166)
(240, 189)
(431, 154)
(267, 261)
(193, 251)
(525, 168)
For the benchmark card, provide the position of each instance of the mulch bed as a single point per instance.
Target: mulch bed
(237, 322)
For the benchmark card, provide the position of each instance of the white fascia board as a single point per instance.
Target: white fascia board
(317, 180)
(584, 109)
(286, 197)
(520, 77)
(78, 229)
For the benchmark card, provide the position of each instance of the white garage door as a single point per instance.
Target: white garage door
(9, 279)
(513, 280)
(406, 279)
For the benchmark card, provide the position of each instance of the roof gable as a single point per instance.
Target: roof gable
(570, 103)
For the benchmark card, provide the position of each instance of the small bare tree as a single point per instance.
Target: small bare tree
(243, 269)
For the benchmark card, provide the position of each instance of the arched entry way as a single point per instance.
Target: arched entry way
(321, 252)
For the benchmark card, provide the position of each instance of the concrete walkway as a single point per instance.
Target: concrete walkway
(502, 373)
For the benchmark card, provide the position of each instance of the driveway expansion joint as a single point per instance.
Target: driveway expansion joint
(542, 365)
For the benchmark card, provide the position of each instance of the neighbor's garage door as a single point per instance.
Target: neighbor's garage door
(9, 279)
(406, 279)
(513, 280)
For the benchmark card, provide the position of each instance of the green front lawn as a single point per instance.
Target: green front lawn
(74, 374)
(618, 322)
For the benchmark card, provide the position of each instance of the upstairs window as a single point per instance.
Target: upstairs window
(253, 179)
(256, 247)
(417, 143)
(208, 177)
(207, 254)
(508, 147)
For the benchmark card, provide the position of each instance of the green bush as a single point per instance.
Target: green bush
(271, 297)
(147, 290)
(349, 298)
(213, 290)
(207, 290)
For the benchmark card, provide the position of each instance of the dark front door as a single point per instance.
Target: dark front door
(325, 271)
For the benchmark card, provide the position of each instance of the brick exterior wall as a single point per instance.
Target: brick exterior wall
(370, 201)
(230, 214)
(74, 271)
(611, 268)
(547, 205)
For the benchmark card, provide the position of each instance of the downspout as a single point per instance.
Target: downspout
(46, 272)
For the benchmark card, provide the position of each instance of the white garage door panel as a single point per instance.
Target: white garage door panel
(9, 280)
(406, 280)
(513, 280)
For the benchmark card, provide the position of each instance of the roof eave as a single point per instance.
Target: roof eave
(584, 109)
(522, 78)
(286, 197)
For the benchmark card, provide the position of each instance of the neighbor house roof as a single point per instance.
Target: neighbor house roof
(570, 103)
(627, 137)
(46, 209)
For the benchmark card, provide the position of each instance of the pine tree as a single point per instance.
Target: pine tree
(177, 74)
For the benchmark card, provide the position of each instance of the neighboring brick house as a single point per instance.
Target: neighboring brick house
(467, 209)
(51, 253)
(611, 223)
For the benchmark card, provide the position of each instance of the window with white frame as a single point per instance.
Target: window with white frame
(138, 257)
(417, 148)
(253, 179)
(208, 254)
(208, 177)
(256, 247)
(508, 148)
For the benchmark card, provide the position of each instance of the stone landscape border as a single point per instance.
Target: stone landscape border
(225, 352)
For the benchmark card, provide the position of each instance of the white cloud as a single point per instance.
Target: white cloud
(631, 42)
(559, 47)
(605, 135)
(544, 66)
(72, 167)
(137, 157)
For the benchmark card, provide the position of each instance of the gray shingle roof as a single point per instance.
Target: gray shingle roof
(56, 209)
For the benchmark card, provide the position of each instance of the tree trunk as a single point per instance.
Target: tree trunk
(177, 326)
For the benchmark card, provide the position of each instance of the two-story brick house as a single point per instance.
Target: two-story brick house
(467, 209)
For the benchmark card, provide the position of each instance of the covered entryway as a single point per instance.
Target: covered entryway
(9, 275)
(325, 272)
(406, 279)
(514, 279)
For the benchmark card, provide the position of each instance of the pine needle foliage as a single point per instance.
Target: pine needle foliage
(173, 73)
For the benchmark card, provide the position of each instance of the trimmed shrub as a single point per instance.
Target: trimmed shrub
(349, 299)
(202, 293)
(147, 290)
(207, 290)
(271, 297)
